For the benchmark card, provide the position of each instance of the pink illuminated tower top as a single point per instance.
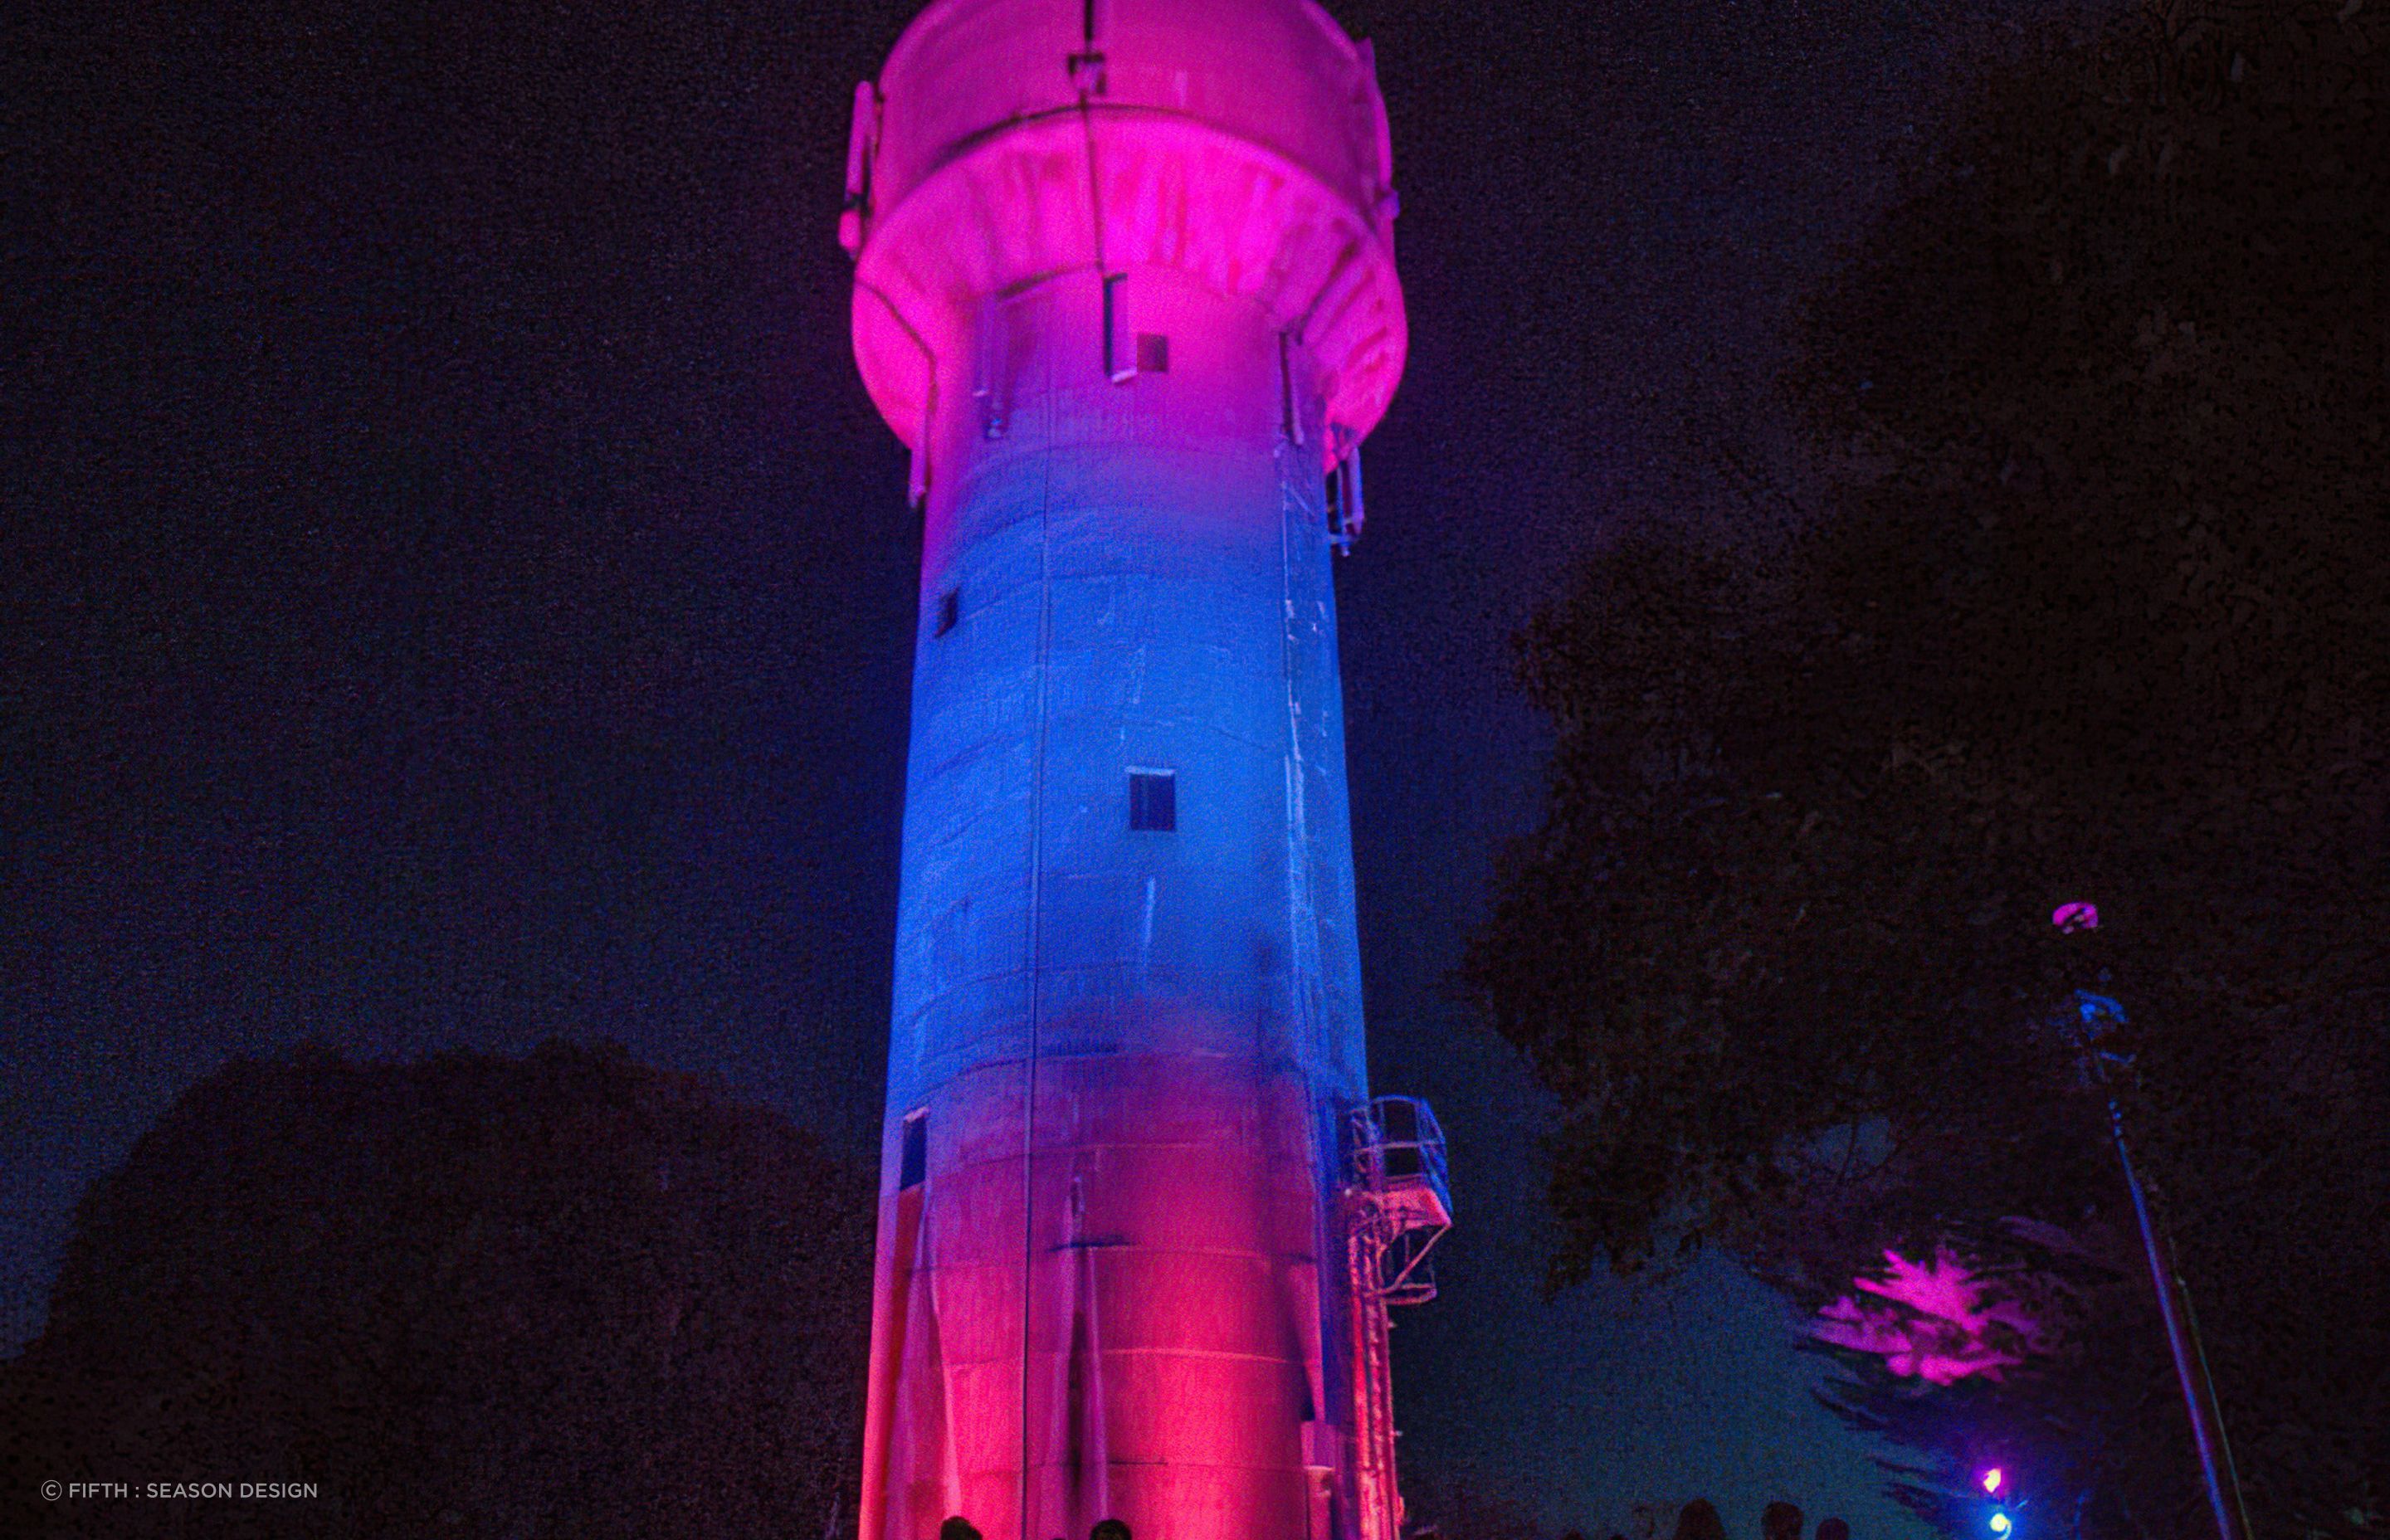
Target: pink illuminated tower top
(1241, 143)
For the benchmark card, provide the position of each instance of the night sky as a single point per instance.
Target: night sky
(460, 593)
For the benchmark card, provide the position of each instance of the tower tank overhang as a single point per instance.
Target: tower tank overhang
(1241, 143)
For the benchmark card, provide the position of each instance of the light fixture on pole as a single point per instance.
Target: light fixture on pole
(2096, 1016)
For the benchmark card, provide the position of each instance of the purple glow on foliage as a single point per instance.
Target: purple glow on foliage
(2071, 917)
(1935, 1320)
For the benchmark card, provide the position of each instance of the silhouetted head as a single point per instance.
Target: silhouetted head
(1834, 1529)
(1109, 1528)
(1700, 1521)
(958, 1528)
(1780, 1521)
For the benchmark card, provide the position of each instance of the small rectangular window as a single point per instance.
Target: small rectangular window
(950, 610)
(1153, 800)
(1120, 341)
(1344, 510)
(1152, 352)
(913, 1166)
(1290, 414)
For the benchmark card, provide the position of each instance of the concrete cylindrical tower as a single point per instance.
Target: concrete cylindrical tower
(1124, 285)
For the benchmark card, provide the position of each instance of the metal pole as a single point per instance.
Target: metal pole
(2207, 1377)
(2069, 919)
(2191, 1400)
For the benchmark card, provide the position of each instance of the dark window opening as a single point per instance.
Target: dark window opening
(1120, 341)
(1152, 352)
(1289, 416)
(1345, 512)
(1153, 799)
(950, 610)
(913, 1166)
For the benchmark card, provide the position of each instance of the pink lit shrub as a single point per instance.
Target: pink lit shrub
(1938, 1320)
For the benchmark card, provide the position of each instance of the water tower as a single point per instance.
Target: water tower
(1124, 285)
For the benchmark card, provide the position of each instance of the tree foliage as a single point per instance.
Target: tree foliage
(2091, 602)
(2089, 1432)
(566, 1295)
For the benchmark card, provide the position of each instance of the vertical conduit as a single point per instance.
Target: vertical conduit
(1036, 918)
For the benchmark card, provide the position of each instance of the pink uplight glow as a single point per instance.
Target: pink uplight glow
(1935, 1320)
(1992, 1479)
(2071, 917)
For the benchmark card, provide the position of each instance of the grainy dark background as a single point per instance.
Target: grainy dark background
(461, 594)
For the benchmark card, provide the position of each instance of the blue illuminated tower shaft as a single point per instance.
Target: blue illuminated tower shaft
(1127, 618)
(1124, 285)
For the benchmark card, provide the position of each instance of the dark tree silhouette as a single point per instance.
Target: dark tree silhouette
(566, 1295)
(2091, 602)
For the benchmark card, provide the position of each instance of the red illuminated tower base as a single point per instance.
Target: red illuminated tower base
(1124, 285)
